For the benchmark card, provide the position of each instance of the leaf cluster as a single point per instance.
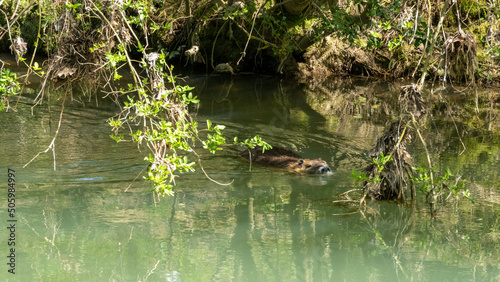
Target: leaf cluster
(9, 86)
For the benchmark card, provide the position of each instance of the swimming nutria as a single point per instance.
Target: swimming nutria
(283, 158)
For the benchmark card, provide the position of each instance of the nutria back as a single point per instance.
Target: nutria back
(283, 158)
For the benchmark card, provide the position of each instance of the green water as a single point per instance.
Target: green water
(94, 219)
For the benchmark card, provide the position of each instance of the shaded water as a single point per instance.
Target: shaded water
(90, 221)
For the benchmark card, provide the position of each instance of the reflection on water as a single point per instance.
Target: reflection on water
(78, 223)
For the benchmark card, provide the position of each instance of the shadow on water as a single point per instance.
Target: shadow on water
(78, 223)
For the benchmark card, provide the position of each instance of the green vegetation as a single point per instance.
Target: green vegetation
(390, 38)
(9, 86)
(274, 226)
(96, 40)
(380, 162)
(441, 185)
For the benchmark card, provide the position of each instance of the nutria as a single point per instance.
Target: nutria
(283, 158)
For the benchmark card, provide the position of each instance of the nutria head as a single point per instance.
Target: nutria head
(316, 166)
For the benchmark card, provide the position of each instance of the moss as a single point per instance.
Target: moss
(474, 9)
(450, 20)
(482, 56)
(479, 31)
(404, 59)
(407, 48)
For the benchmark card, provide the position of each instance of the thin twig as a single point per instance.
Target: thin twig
(444, 10)
(384, 245)
(346, 213)
(135, 75)
(209, 178)
(243, 54)
(432, 192)
(416, 25)
(134, 180)
(13, 20)
(345, 201)
(355, 189)
(213, 45)
(36, 43)
(53, 144)
(253, 37)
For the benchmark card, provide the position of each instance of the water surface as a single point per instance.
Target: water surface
(94, 219)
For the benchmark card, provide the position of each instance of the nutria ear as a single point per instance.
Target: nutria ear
(301, 161)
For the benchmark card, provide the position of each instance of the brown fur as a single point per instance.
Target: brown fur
(283, 158)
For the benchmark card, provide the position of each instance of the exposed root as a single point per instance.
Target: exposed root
(458, 57)
(81, 52)
(334, 56)
(411, 100)
(393, 175)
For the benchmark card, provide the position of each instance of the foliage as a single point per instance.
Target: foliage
(440, 185)
(252, 143)
(380, 162)
(98, 40)
(169, 131)
(230, 31)
(9, 86)
(494, 52)
(161, 106)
